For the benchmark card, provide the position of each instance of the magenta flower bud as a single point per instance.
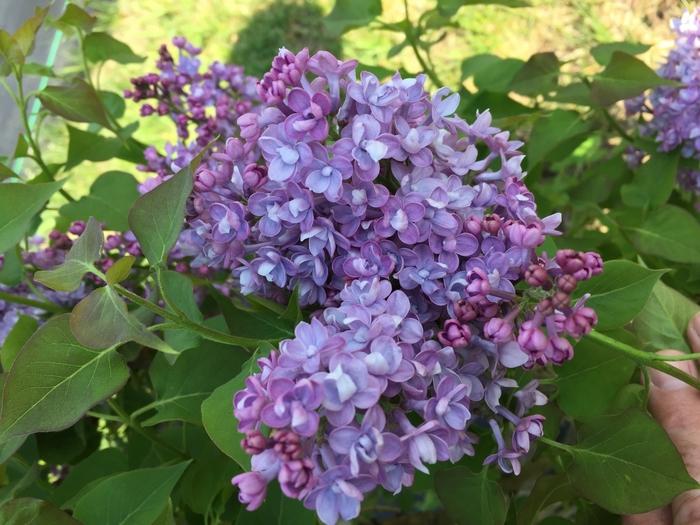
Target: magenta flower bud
(147, 110)
(593, 262)
(455, 334)
(571, 263)
(472, 225)
(498, 330)
(182, 267)
(566, 283)
(536, 276)
(531, 338)
(465, 311)
(581, 321)
(254, 175)
(204, 180)
(287, 444)
(296, 478)
(545, 306)
(55, 235)
(492, 224)
(252, 489)
(134, 249)
(561, 349)
(179, 41)
(254, 442)
(77, 227)
(106, 264)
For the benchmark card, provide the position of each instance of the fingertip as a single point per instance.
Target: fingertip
(693, 332)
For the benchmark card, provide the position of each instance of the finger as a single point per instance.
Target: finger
(655, 517)
(693, 333)
(676, 406)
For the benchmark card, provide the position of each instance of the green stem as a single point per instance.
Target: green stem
(649, 359)
(412, 41)
(555, 444)
(44, 305)
(204, 331)
(148, 434)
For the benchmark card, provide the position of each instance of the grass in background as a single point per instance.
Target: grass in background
(252, 30)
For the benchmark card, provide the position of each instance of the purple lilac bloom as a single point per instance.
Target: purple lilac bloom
(671, 113)
(412, 235)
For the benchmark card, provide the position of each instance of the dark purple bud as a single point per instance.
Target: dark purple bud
(287, 444)
(566, 283)
(560, 300)
(499, 330)
(465, 311)
(561, 349)
(593, 262)
(254, 442)
(545, 306)
(537, 276)
(492, 224)
(77, 227)
(455, 334)
(581, 321)
(147, 110)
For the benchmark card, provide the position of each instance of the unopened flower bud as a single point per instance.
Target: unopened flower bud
(498, 330)
(254, 442)
(581, 321)
(455, 334)
(537, 276)
(560, 299)
(492, 223)
(287, 444)
(531, 338)
(465, 311)
(566, 283)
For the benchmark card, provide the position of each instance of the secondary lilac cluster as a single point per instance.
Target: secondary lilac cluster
(205, 104)
(671, 114)
(45, 254)
(414, 232)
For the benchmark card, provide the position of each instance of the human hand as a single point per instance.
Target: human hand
(676, 406)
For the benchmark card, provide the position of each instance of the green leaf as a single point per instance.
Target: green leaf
(110, 198)
(471, 498)
(25, 36)
(101, 320)
(20, 333)
(12, 271)
(10, 53)
(491, 73)
(620, 292)
(350, 14)
(450, 7)
(113, 103)
(653, 182)
(100, 47)
(255, 323)
(97, 465)
(589, 384)
(628, 465)
(217, 412)
(538, 75)
(602, 53)
(76, 101)
(669, 232)
(120, 270)
(182, 387)
(663, 321)
(156, 217)
(76, 17)
(293, 313)
(31, 511)
(624, 77)
(54, 381)
(178, 292)
(85, 145)
(547, 490)
(136, 497)
(39, 70)
(19, 203)
(68, 275)
(21, 148)
(556, 136)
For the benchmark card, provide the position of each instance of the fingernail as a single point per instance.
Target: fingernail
(667, 382)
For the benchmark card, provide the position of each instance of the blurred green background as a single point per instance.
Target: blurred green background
(249, 32)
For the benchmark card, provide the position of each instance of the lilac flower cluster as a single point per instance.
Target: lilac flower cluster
(204, 103)
(671, 114)
(411, 228)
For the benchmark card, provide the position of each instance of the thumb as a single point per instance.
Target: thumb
(676, 406)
